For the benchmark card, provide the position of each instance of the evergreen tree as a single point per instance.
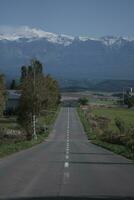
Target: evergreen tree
(2, 94)
(129, 99)
(13, 85)
(23, 73)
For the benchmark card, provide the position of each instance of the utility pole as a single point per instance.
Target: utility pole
(123, 97)
(34, 117)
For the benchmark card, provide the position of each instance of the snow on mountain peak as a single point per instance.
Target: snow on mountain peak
(10, 33)
(16, 33)
(112, 40)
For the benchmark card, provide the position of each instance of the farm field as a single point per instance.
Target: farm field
(127, 115)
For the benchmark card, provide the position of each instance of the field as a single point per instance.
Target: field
(127, 115)
(97, 98)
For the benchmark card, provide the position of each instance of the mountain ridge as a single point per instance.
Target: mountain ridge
(67, 57)
(17, 33)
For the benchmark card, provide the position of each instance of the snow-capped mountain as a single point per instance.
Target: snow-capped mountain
(66, 56)
(31, 34)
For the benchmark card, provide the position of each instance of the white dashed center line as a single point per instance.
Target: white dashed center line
(66, 177)
(67, 157)
(66, 164)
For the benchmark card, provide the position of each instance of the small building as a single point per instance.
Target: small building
(12, 102)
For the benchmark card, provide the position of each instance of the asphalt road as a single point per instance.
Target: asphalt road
(66, 165)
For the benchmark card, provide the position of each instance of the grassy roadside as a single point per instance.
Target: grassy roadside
(10, 147)
(7, 148)
(92, 136)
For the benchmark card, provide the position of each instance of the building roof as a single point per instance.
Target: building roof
(13, 94)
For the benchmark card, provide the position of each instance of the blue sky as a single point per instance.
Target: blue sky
(94, 18)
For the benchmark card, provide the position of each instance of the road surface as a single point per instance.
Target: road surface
(66, 165)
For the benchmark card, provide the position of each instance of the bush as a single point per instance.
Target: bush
(83, 101)
(129, 100)
(120, 125)
(110, 136)
(11, 135)
(42, 129)
(103, 122)
(130, 139)
(1, 133)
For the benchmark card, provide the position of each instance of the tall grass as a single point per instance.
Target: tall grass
(110, 128)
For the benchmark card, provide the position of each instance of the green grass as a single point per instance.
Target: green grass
(7, 149)
(86, 124)
(116, 148)
(126, 114)
(11, 146)
(102, 101)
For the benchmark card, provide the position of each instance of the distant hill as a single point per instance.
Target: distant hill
(93, 85)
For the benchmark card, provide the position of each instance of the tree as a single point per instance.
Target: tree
(13, 85)
(129, 100)
(30, 101)
(51, 93)
(30, 70)
(23, 73)
(83, 101)
(2, 94)
(38, 93)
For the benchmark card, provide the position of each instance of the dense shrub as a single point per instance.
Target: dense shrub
(120, 125)
(83, 101)
(112, 137)
(11, 134)
(40, 129)
(103, 122)
(130, 139)
(1, 133)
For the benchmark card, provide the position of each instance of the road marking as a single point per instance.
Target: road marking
(66, 164)
(66, 177)
(67, 151)
(68, 119)
(67, 140)
(67, 157)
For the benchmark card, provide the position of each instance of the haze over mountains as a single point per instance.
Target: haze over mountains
(67, 57)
